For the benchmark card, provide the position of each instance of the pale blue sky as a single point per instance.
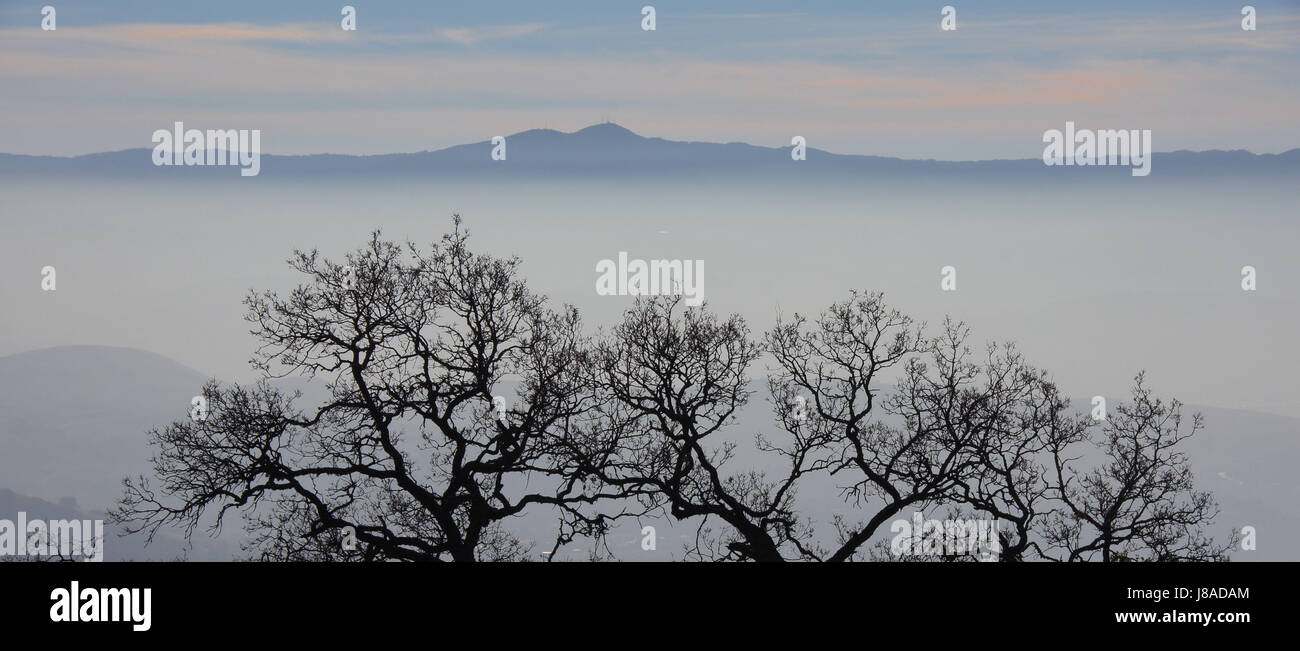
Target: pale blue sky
(853, 77)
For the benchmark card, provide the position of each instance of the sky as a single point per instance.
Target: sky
(852, 77)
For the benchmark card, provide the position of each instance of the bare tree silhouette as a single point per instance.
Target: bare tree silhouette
(988, 435)
(673, 377)
(1140, 502)
(410, 457)
(458, 400)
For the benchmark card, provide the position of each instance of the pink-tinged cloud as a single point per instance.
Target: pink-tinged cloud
(474, 35)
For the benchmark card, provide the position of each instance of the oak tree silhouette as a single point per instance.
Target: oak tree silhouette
(409, 457)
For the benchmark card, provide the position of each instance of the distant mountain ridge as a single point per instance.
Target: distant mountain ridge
(74, 420)
(168, 545)
(609, 148)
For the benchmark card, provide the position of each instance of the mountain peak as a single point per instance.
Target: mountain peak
(606, 130)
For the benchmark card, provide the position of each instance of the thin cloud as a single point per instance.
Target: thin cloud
(474, 35)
